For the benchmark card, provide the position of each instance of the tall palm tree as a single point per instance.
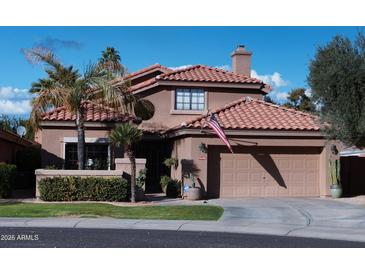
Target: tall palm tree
(126, 135)
(65, 86)
(110, 60)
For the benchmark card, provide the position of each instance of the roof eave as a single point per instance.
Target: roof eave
(162, 69)
(200, 84)
(71, 123)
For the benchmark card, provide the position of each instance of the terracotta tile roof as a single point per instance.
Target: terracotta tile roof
(93, 113)
(15, 138)
(143, 84)
(200, 73)
(249, 113)
(153, 127)
(147, 69)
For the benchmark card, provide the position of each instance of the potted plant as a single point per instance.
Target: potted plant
(173, 188)
(169, 162)
(194, 192)
(336, 188)
(164, 181)
(140, 183)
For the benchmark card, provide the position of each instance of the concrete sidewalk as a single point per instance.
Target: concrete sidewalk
(322, 232)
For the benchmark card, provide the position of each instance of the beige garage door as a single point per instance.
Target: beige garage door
(269, 175)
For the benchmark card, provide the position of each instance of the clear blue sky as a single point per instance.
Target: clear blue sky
(280, 54)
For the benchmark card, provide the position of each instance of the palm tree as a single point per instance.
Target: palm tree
(110, 60)
(65, 86)
(126, 135)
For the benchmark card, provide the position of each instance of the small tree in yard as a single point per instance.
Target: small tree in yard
(337, 79)
(126, 135)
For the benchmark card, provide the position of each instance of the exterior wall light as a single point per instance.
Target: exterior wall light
(203, 148)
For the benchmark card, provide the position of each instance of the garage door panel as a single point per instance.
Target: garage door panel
(228, 178)
(270, 191)
(242, 175)
(284, 164)
(256, 191)
(298, 164)
(312, 164)
(228, 191)
(255, 177)
(228, 163)
(242, 163)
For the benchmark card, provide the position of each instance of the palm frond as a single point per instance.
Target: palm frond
(110, 61)
(125, 135)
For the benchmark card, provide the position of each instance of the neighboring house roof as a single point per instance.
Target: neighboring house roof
(248, 113)
(15, 138)
(199, 73)
(93, 113)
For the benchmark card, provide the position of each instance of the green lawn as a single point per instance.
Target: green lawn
(196, 212)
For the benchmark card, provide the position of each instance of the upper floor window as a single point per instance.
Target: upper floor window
(189, 99)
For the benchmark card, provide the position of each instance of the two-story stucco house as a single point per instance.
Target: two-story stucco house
(277, 151)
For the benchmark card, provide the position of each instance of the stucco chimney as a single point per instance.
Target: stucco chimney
(241, 61)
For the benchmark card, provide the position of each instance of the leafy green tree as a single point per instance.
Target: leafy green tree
(65, 86)
(299, 100)
(110, 60)
(126, 135)
(337, 79)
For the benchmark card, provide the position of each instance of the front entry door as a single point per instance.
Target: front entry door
(155, 152)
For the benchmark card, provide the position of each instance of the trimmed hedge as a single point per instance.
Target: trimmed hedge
(7, 177)
(72, 188)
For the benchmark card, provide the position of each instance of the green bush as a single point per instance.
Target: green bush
(7, 177)
(73, 188)
(173, 188)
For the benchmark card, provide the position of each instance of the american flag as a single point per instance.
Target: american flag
(214, 124)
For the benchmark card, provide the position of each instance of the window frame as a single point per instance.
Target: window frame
(191, 103)
(88, 140)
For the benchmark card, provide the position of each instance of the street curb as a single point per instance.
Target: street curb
(320, 232)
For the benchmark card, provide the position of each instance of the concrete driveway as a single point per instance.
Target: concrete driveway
(314, 217)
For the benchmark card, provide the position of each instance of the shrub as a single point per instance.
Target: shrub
(7, 177)
(173, 188)
(164, 182)
(73, 188)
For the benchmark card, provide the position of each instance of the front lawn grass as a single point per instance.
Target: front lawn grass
(89, 210)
